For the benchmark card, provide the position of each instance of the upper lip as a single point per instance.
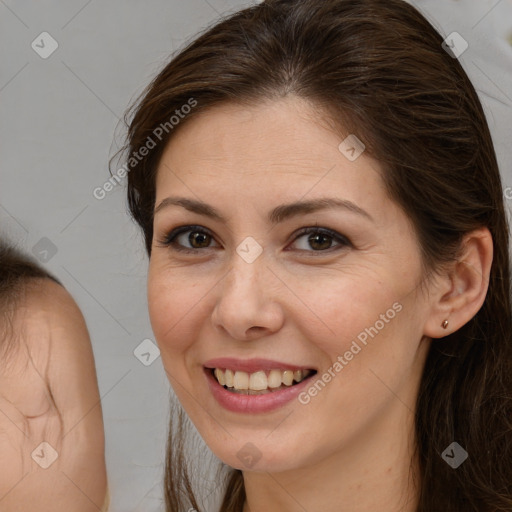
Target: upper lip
(252, 365)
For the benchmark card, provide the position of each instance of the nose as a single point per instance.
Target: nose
(247, 305)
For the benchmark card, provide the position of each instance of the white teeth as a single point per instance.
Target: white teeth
(259, 381)
(219, 375)
(274, 378)
(241, 380)
(287, 378)
(228, 378)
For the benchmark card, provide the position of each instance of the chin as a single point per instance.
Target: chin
(258, 456)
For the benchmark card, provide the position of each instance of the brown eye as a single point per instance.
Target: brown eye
(201, 239)
(188, 239)
(320, 240)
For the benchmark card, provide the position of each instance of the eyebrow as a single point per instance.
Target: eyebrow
(278, 214)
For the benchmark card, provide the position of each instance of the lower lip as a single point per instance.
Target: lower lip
(250, 404)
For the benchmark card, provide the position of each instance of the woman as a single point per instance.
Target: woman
(329, 273)
(51, 427)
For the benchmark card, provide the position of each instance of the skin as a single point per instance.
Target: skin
(354, 440)
(49, 393)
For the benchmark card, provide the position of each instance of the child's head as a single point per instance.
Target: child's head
(48, 394)
(18, 273)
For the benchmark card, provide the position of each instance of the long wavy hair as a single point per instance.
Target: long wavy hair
(376, 68)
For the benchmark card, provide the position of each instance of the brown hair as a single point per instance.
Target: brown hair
(377, 69)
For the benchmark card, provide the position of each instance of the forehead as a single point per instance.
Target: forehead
(275, 132)
(282, 148)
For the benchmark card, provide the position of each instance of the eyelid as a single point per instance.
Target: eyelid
(169, 238)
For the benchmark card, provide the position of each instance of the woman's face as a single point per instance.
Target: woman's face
(260, 300)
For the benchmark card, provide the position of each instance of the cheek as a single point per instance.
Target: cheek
(171, 304)
(363, 322)
(335, 308)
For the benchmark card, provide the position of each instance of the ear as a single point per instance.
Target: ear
(458, 294)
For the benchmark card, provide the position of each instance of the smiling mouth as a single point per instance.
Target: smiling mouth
(260, 382)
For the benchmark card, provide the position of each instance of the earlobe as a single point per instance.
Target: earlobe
(462, 290)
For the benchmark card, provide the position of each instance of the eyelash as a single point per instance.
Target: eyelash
(169, 239)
